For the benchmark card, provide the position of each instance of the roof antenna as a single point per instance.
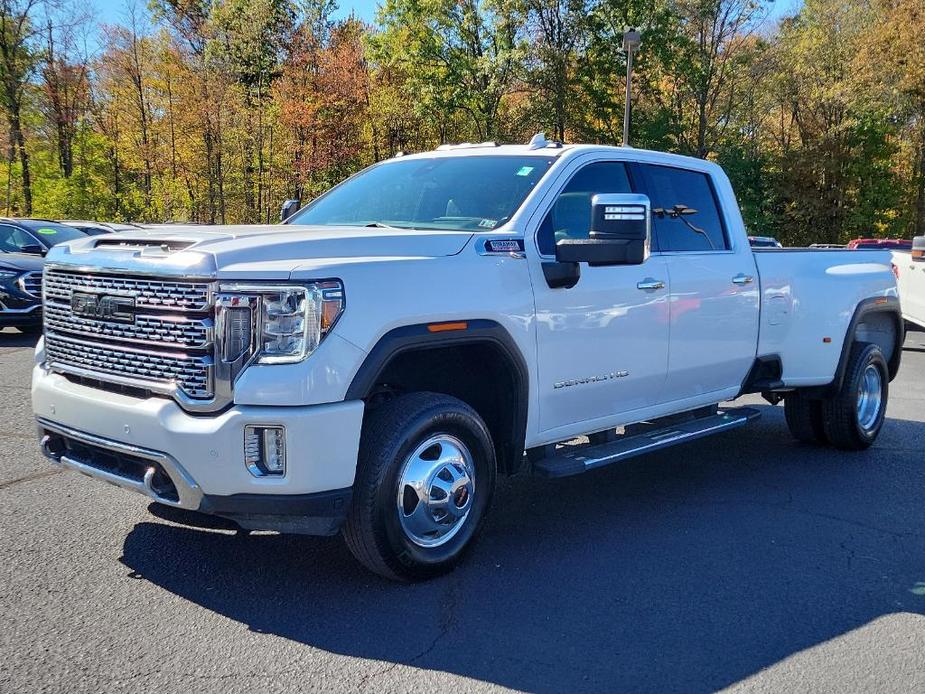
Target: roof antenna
(631, 41)
(538, 141)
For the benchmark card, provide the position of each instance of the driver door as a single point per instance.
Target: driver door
(602, 345)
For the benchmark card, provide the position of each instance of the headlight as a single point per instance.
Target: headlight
(289, 321)
(294, 320)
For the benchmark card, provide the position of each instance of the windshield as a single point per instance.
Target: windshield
(467, 192)
(50, 233)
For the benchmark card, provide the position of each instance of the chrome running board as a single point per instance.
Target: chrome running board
(572, 460)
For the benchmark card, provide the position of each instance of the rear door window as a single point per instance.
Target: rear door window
(685, 211)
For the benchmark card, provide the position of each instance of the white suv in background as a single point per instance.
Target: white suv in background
(910, 274)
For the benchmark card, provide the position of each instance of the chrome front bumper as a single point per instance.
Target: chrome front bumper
(117, 437)
(162, 479)
(138, 469)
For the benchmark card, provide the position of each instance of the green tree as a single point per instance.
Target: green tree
(18, 60)
(557, 34)
(894, 64)
(456, 56)
(712, 69)
(249, 41)
(601, 71)
(835, 160)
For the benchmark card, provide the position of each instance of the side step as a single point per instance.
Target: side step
(572, 460)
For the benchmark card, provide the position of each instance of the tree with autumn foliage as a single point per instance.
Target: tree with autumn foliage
(216, 111)
(323, 92)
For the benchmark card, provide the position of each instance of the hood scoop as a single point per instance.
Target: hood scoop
(128, 244)
(131, 253)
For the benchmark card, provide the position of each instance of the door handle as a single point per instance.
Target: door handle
(650, 284)
(742, 279)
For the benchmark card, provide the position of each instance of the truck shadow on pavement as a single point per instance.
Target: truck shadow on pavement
(688, 570)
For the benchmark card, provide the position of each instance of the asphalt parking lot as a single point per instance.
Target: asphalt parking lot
(745, 561)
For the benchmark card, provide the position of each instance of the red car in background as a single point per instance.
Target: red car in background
(883, 244)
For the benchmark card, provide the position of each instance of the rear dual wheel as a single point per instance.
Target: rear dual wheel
(854, 417)
(804, 418)
(851, 419)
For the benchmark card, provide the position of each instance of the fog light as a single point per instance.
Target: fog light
(265, 450)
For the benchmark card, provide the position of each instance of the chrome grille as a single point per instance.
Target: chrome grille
(148, 293)
(31, 284)
(160, 339)
(153, 330)
(191, 373)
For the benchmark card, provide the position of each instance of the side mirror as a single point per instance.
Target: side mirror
(33, 249)
(620, 230)
(290, 207)
(918, 248)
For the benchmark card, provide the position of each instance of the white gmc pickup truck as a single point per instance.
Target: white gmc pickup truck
(438, 320)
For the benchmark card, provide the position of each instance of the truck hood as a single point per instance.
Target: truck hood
(271, 251)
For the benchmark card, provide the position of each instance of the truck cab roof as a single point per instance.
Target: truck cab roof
(560, 151)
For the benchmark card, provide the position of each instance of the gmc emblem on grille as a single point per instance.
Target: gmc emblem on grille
(103, 307)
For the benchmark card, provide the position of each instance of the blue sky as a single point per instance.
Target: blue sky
(113, 11)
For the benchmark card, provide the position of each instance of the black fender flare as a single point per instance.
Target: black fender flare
(422, 337)
(880, 304)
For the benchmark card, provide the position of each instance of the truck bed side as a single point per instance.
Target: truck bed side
(808, 300)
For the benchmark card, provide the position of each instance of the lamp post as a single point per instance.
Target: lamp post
(631, 41)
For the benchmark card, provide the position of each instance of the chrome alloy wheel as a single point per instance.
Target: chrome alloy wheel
(435, 490)
(870, 397)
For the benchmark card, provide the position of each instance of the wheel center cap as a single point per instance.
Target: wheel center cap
(435, 490)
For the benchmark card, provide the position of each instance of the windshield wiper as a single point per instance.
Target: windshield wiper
(380, 225)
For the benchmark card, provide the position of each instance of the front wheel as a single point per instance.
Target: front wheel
(854, 416)
(425, 478)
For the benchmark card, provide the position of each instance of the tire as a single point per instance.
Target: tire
(389, 529)
(804, 419)
(854, 416)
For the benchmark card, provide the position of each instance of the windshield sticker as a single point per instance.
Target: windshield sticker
(524, 170)
(47, 232)
(488, 223)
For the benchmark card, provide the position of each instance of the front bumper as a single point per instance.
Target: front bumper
(17, 307)
(151, 446)
(16, 317)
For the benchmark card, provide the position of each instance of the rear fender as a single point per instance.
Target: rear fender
(877, 320)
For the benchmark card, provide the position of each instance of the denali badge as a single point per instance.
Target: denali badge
(590, 379)
(504, 245)
(103, 307)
